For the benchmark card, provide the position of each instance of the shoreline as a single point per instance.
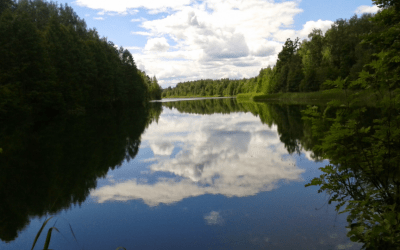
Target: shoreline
(365, 97)
(176, 99)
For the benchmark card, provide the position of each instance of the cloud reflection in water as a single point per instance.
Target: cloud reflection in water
(232, 155)
(213, 218)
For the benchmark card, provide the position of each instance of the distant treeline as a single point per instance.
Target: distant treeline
(209, 87)
(336, 57)
(52, 63)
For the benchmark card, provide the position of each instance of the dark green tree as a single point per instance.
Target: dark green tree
(364, 171)
(52, 64)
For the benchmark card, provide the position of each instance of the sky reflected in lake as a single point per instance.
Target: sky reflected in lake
(229, 181)
(219, 181)
(193, 155)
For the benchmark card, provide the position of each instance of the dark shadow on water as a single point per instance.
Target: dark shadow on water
(48, 166)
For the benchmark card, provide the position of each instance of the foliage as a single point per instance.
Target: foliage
(154, 90)
(205, 87)
(52, 64)
(386, 3)
(364, 171)
(303, 66)
(363, 174)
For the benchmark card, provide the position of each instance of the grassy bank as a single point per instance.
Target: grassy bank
(250, 97)
(193, 96)
(366, 97)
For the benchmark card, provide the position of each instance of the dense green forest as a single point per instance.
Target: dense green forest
(363, 148)
(321, 62)
(51, 63)
(209, 87)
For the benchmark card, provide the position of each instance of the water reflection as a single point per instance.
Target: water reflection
(213, 218)
(363, 175)
(293, 131)
(231, 155)
(47, 167)
(213, 160)
(214, 147)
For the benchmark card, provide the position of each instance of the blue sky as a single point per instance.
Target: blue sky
(183, 40)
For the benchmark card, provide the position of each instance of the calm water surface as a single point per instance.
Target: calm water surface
(203, 174)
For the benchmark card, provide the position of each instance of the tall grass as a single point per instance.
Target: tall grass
(365, 97)
(250, 97)
(192, 96)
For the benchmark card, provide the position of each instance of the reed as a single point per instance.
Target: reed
(49, 233)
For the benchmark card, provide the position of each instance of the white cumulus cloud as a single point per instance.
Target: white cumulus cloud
(210, 39)
(310, 25)
(366, 9)
(157, 44)
(123, 6)
(133, 48)
(141, 33)
(218, 39)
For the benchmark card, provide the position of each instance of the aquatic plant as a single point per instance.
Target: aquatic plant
(49, 233)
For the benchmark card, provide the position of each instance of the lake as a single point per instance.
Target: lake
(187, 174)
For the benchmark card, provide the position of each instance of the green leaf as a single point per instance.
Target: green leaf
(391, 218)
(48, 238)
(354, 238)
(40, 231)
(396, 59)
(314, 182)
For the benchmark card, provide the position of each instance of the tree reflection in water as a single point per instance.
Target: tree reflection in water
(363, 176)
(363, 146)
(47, 167)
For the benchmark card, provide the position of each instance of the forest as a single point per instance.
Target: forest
(340, 56)
(51, 64)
